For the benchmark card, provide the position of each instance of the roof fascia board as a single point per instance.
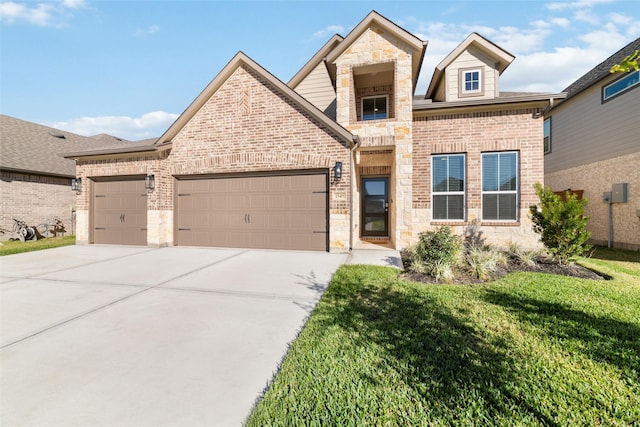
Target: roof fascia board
(237, 61)
(35, 172)
(315, 60)
(129, 151)
(434, 107)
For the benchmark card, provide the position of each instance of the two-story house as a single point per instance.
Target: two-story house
(345, 152)
(592, 142)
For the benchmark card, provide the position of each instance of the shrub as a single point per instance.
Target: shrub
(438, 248)
(482, 262)
(561, 224)
(522, 256)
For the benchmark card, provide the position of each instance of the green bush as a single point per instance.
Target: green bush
(483, 262)
(561, 224)
(437, 250)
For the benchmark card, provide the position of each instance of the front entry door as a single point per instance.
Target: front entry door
(375, 207)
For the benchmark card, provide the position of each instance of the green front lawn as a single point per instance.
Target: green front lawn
(17, 246)
(528, 349)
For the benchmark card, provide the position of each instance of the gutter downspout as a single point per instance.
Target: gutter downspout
(352, 178)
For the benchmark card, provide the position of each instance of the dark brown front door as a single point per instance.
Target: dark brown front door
(120, 212)
(375, 207)
(267, 212)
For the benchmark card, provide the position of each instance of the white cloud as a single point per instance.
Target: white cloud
(579, 4)
(152, 29)
(148, 125)
(538, 67)
(50, 14)
(329, 30)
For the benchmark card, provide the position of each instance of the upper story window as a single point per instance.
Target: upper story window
(471, 82)
(547, 135)
(620, 86)
(500, 186)
(375, 107)
(448, 187)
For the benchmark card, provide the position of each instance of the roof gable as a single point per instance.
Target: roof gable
(417, 46)
(502, 58)
(237, 61)
(319, 57)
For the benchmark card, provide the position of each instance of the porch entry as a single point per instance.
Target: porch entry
(375, 207)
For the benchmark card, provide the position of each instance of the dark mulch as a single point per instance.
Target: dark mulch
(543, 265)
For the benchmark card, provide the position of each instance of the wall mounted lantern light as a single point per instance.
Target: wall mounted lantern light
(76, 185)
(150, 182)
(337, 171)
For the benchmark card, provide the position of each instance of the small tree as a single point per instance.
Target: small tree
(561, 224)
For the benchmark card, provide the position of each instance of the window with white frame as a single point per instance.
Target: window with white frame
(448, 187)
(374, 107)
(500, 186)
(620, 86)
(471, 81)
(547, 135)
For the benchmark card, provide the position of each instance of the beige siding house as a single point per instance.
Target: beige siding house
(348, 153)
(594, 143)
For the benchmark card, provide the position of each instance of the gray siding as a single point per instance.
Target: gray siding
(584, 130)
(318, 90)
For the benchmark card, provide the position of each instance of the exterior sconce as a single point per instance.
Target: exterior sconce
(76, 185)
(337, 171)
(150, 182)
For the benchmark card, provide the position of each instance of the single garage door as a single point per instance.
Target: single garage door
(120, 212)
(267, 212)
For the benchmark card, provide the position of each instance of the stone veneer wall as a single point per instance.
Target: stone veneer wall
(475, 133)
(248, 126)
(596, 178)
(377, 46)
(34, 199)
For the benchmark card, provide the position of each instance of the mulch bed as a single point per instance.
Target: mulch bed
(543, 265)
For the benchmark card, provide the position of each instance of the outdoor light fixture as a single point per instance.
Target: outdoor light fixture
(337, 171)
(76, 185)
(150, 182)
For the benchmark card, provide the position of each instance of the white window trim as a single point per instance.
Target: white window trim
(450, 193)
(463, 74)
(623, 90)
(516, 191)
(372, 97)
(547, 151)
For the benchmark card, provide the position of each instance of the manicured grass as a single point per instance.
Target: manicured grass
(528, 349)
(16, 247)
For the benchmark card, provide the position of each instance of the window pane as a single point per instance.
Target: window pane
(439, 207)
(490, 206)
(456, 173)
(490, 172)
(456, 207)
(507, 172)
(439, 173)
(622, 84)
(507, 206)
(374, 108)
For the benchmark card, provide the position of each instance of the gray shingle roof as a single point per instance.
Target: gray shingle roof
(601, 70)
(30, 147)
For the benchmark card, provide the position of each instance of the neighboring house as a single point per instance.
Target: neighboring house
(592, 142)
(35, 180)
(343, 153)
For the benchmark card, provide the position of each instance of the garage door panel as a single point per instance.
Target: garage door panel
(119, 212)
(279, 212)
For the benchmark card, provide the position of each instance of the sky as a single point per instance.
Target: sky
(130, 68)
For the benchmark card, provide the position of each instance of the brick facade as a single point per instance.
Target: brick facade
(34, 199)
(596, 178)
(473, 134)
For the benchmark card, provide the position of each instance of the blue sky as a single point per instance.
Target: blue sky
(129, 68)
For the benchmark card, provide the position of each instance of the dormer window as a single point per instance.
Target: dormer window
(374, 107)
(471, 82)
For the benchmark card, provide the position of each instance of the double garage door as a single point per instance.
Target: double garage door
(269, 211)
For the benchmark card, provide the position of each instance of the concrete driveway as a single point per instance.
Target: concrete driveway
(134, 336)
